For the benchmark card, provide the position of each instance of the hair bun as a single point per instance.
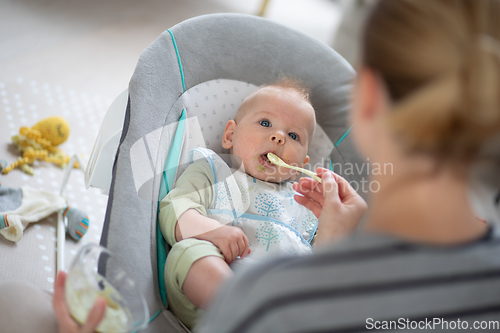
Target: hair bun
(442, 72)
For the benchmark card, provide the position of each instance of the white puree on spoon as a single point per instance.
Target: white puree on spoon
(81, 297)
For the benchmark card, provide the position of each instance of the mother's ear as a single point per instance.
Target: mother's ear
(369, 105)
(370, 94)
(227, 137)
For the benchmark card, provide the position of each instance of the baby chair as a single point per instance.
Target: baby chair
(188, 83)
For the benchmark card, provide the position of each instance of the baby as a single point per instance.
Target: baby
(211, 224)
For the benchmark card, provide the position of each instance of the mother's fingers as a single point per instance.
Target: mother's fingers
(312, 205)
(345, 189)
(330, 188)
(313, 191)
(95, 315)
(64, 319)
(307, 184)
(322, 171)
(59, 301)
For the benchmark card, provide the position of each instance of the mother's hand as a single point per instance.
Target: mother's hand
(338, 207)
(66, 323)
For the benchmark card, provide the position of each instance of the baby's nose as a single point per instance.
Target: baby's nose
(277, 137)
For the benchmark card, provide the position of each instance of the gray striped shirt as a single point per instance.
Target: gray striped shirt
(363, 283)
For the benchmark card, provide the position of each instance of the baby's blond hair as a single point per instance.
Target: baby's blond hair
(284, 82)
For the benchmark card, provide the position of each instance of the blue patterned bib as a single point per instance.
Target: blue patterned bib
(273, 221)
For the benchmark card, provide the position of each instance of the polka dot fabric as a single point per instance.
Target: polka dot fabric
(213, 103)
(24, 102)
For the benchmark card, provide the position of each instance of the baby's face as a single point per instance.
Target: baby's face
(275, 120)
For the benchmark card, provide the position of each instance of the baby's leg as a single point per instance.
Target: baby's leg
(191, 261)
(204, 279)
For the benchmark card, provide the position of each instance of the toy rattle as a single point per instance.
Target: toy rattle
(40, 143)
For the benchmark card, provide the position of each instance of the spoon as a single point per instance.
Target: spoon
(277, 161)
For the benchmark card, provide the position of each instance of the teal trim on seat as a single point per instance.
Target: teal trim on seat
(174, 154)
(343, 136)
(167, 181)
(166, 184)
(150, 319)
(161, 255)
(178, 59)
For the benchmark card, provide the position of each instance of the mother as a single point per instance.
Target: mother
(426, 100)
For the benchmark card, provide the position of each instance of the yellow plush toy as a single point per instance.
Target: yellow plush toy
(39, 143)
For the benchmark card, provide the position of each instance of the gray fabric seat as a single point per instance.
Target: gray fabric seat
(220, 46)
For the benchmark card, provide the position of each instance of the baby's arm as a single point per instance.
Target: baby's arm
(231, 241)
(183, 214)
(191, 224)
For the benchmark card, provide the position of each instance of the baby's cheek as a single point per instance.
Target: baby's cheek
(294, 174)
(286, 173)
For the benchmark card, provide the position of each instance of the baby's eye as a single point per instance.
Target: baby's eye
(293, 136)
(265, 123)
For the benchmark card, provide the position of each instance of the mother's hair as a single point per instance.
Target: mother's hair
(440, 62)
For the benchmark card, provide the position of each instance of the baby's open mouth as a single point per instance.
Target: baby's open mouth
(264, 160)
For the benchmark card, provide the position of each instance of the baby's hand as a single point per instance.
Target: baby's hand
(231, 241)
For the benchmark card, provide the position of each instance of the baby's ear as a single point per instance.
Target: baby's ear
(227, 137)
(305, 160)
